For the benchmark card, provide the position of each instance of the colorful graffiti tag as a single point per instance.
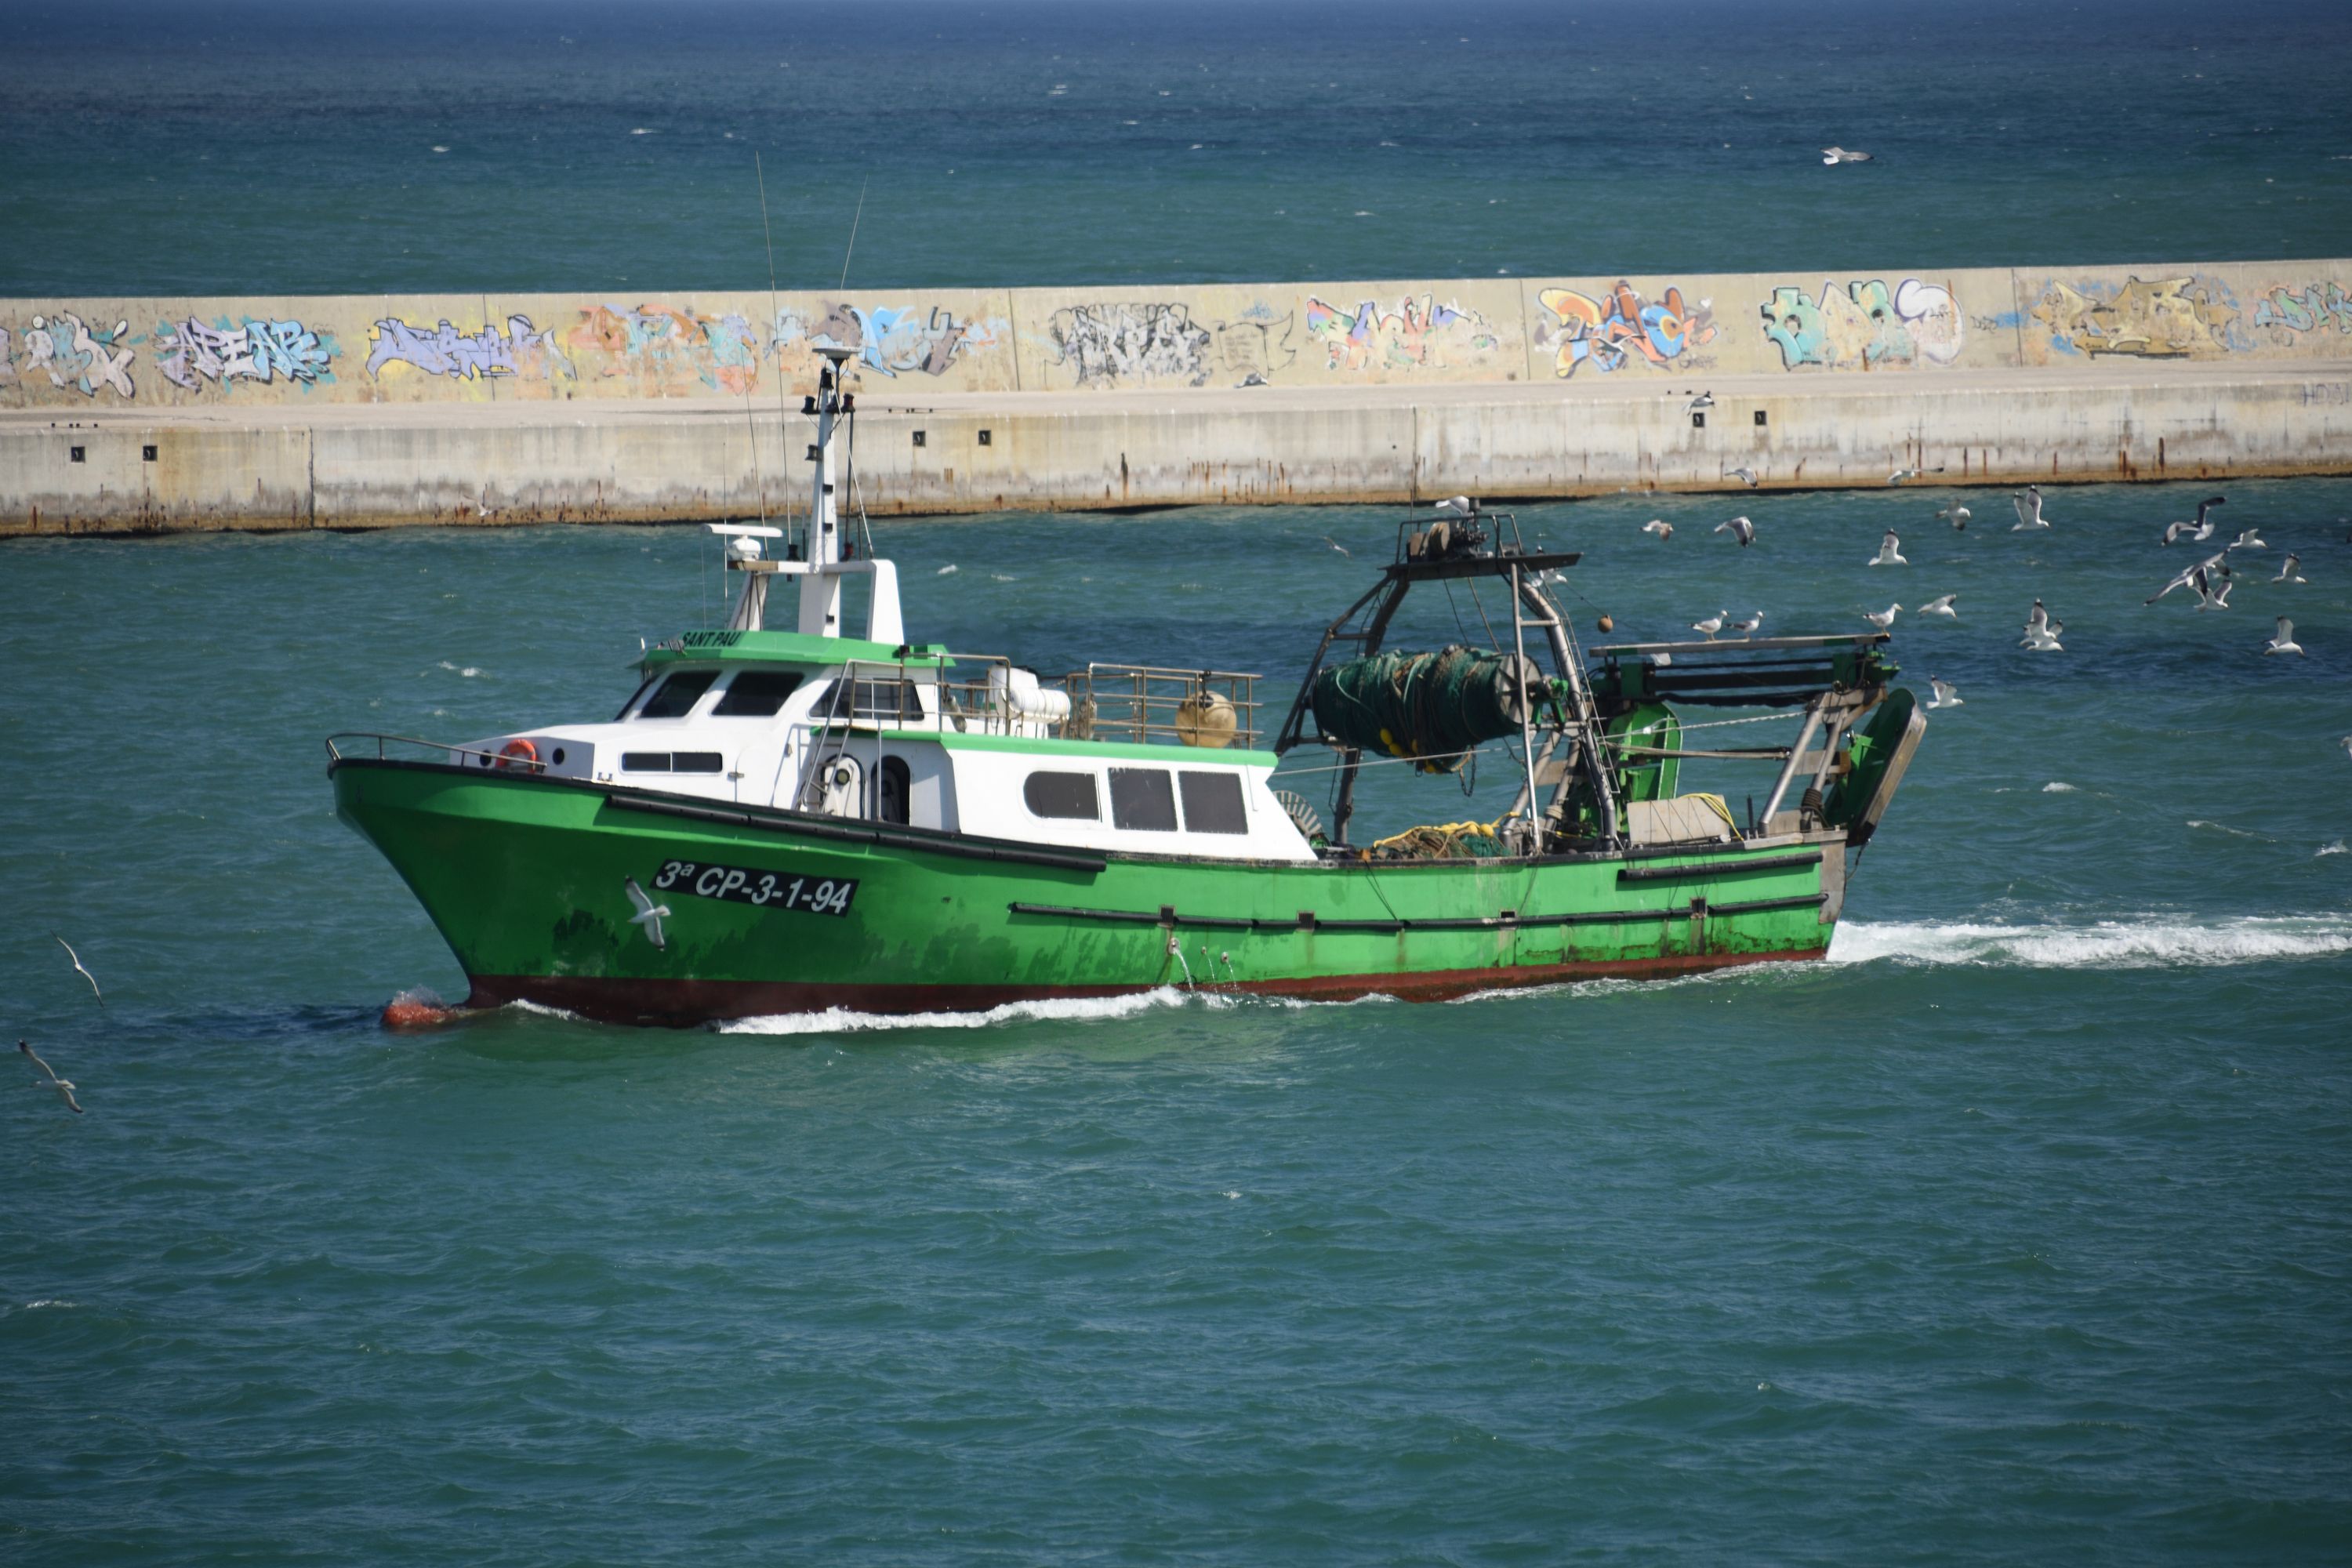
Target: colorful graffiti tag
(2170, 318)
(890, 340)
(1865, 325)
(442, 349)
(666, 347)
(1609, 331)
(1417, 334)
(2314, 307)
(64, 348)
(191, 352)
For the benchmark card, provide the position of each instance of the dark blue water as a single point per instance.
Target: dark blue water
(2020, 1230)
(433, 146)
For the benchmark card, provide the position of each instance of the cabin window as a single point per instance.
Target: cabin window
(1212, 802)
(892, 699)
(1070, 795)
(756, 694)
(894, 785)
(678, 694)
(631, 702)
(1143, 799)
(671, 761)
(645, 762)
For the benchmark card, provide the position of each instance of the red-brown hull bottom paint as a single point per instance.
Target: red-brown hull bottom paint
(684, 1002)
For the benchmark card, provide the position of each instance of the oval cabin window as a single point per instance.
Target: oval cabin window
(1069, 796)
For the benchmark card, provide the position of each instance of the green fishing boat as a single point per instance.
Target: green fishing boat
(785, 821)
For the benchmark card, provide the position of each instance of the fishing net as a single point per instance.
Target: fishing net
(1435, 707)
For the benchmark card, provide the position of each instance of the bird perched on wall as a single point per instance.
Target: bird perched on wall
(1712, 624)
(63, 1087)
(1945, 697)
(1832, 156)
(1890, 552)
(1660, 527)
(1738, 528)
(2287, 570)
(1751, 626)
(2283, 642)
(1882, 619)
(1958, 516)
(2029, 508)
(2201, 529)
(1941, 605)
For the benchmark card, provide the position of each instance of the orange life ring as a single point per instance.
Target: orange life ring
(519, 752)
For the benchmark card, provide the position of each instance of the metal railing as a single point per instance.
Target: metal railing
(1141, 703)
(454, 754)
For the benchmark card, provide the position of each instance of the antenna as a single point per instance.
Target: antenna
(845, 255)
(769, 233)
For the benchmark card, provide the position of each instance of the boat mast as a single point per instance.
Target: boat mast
(821, 594)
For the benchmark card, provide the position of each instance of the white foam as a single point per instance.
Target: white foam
(2334, 848)
(2150, 942)
(844, 1020)
(2056, 787)
(541, 1009)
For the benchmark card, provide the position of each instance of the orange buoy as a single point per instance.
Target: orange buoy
(418, 1009)
(519, 752)
(1607, 625)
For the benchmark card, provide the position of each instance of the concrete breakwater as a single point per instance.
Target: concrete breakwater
(167, 414)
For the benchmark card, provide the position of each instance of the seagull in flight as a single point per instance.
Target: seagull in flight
(2041, 631)
(2250, 539)
(1832, 156)
(1882, 619)
(2203, 527)
(2207, 598)
(1748, 474)
(2285, 641)
(1941, 605)
(650, 913)
(85, 974)
(1660, 527)
(1899, 475)
(1339, 547)
(1890, 552)
(1704, 400)
(1958, 516)
(1945, 697)
(1455, 504)
(1740, 529)
(1748, 627)
(2287, 570)
(64, 1087)
(1712, 624)
(2198, 578)
(2029, 508)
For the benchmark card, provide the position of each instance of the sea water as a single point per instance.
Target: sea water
(2018, 1229)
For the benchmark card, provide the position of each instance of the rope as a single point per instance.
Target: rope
(1430, 707)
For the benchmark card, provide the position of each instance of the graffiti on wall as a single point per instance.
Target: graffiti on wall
(1609, 331)
(1865, 325)
(442, 350)
(67, 350)
(1417, 334)
(191, 352)
(2169, 317)
(668, 348)
(1147, 341)
(2314, 307)
(7, 359)
(892, 341)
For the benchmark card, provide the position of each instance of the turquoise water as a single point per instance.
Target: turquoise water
(247, 147)
(2017, 1231)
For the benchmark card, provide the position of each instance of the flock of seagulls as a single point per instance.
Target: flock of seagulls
(2210, 580)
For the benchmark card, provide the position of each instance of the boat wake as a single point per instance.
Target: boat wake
(842, 1020)
(2148, 943)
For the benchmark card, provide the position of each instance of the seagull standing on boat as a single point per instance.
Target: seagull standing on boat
(650, 913)
(2287, 570)
(1890, 552)
(1941, 605)
(1712, 624)
(1660, 527)
(85, 974)
(2285, 641)
(2029, 508)
(1740, 529)
(1882, 619)
(64, 1087)
(2203, 527)
(1945, 697)
(1958, 516)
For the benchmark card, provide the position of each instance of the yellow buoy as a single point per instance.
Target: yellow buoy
(1206, 719)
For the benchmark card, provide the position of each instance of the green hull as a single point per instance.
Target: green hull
(525, 877)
